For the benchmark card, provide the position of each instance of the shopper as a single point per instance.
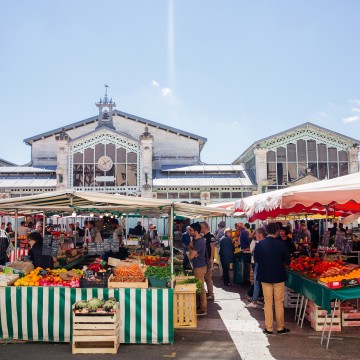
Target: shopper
(23, 229)
(260, 235)
(220, 232)
(289, 243)
(272, 255)
(185, 241)
(244, 237)
(35, 253)
(226, 254)
(315, 236)
(9, 230)
(197, 254)
(210, 252)
(94, 232)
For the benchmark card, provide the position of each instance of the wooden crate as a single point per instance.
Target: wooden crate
(98, 333)
(185, 306)
(182, 279)
(132, 285)
(316, 316)
(312, 308)
(350, 318)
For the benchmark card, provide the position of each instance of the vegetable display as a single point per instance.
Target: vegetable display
(95, 305)
(160, 272)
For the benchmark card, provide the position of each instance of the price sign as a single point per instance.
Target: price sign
(88, 273)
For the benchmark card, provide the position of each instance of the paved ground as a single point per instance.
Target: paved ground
(229, 331)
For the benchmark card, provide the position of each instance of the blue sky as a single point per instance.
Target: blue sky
(232, 71)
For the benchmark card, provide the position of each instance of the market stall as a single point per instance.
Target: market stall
(43, 313)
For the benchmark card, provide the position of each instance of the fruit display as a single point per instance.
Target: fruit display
(350, 278)
(95, 305)
(58, 277)
(333, 274)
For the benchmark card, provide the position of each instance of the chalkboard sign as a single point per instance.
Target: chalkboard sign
(107, 244)
(92, 248)
(96, 248)
(115, 246)
(55, 247)
(88, 273)
(47, 245)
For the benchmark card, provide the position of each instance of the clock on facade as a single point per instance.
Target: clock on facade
(105, 163)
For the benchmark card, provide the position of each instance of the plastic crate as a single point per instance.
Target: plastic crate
(185, 306)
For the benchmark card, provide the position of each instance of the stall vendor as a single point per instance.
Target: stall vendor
(35, 253)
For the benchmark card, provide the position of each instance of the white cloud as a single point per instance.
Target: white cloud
(166, 91)
(350, 119)
(355, 109)
(155, 83)
(323, 114)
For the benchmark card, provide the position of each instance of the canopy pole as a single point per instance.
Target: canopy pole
(326, 217)
(170, 237)
(16, 233)
(44, 224)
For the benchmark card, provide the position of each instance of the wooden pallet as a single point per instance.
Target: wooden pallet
(350, 318)
(96, 334)
(185, 306)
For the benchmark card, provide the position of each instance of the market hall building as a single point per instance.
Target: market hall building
(116, 152)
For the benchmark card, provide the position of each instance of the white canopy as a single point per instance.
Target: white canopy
(70, 200)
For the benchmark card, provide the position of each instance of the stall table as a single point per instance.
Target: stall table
(321, 296)
(44, 313)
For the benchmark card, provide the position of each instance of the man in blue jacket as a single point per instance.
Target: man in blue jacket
(226, 254)
(272, 255)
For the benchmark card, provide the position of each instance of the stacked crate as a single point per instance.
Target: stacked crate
(316, 316)
(350, 316)
(97, 333)
(290, 298)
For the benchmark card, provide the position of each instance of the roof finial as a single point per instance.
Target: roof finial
(106, 95)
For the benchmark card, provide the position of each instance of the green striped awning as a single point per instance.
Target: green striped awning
(44, 313)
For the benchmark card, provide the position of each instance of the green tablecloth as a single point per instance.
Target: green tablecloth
(241, 263)
(317, 293)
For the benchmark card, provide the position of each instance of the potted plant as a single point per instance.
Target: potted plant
(158, 276)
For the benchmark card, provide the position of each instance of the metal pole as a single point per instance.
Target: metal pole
(326, 218)
(16, 233)
(44, 223)
(170, 237)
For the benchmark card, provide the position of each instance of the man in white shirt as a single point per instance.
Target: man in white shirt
(23, 229)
